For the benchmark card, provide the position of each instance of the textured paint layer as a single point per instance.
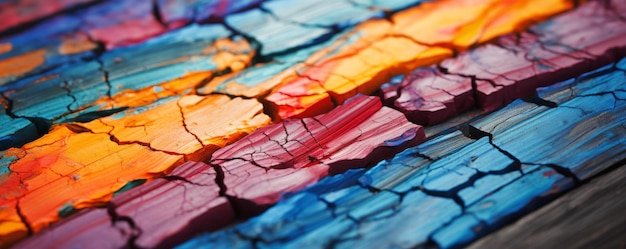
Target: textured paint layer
(417, 37)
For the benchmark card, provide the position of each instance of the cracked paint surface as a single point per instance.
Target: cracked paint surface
(82, 165)
(144, 218)
(50, 173)
(246, 177)
(496, 74)
(285, 157)
(402, 44)
(82, 33)
(177, 13)
(123, 78)
(148, 123)
(455, 187)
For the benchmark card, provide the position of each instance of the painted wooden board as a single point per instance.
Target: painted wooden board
(120, 23)
(129, 94)
(252, 173)
(259, 79)
(79, 166)
(587, 123)
(42, 48)
(143, 217)
(177, 13)
(415, 37)
(280, 26)
(591, 215)
(170, 65)
(77, 230)
(493, 75)
(428, 96)
(84, 33)
(49, 173)
(16, 132)
(455, 188)
(71, 36)
(192, 190)
(288, 156)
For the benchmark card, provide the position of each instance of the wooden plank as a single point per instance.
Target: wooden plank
(175, 13)
(144, 217)
(493, 75)
(452, 190)
(286, 157)
(410, 39)
(81, 163)
(590, 216)
(162, 67)
(280, 26)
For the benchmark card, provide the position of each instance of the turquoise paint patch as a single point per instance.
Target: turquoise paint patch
(130, 185)
(4, 170)
(66, 210)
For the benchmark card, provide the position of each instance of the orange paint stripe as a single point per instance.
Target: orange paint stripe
(76, 44)
(145, 96)
(5, 47)
(23, 63)
(83, 165)
(419, 36)
(235, 55)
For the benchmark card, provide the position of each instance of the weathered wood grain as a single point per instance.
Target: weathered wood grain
(456, 188)
(285, 25)
(80, 166)
(493, 75)
(590, 216)
(412, 38)
(290, 155)
(177, 13)
(169, 65)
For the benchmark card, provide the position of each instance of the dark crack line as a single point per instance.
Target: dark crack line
(517, 164)
(182, 116)
(147, 145)
(219, 180)
(208, 80)
(254, 43)
(156, 13)
(136, 230)
(18, 210)
(473, 82)
(474, 78)
(69, 94)
(535, 99)
(559, 169)
(292, 22)
(254, 241)
(615, 97)
(254, 163)
(306, 127)
(90, 116)
(173, 178)
(42, 125)
(448, 45)
(232, 200)
(105, 78)
(77, 128)
(543, 44)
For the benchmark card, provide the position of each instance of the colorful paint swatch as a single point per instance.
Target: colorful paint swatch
(343, 124)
